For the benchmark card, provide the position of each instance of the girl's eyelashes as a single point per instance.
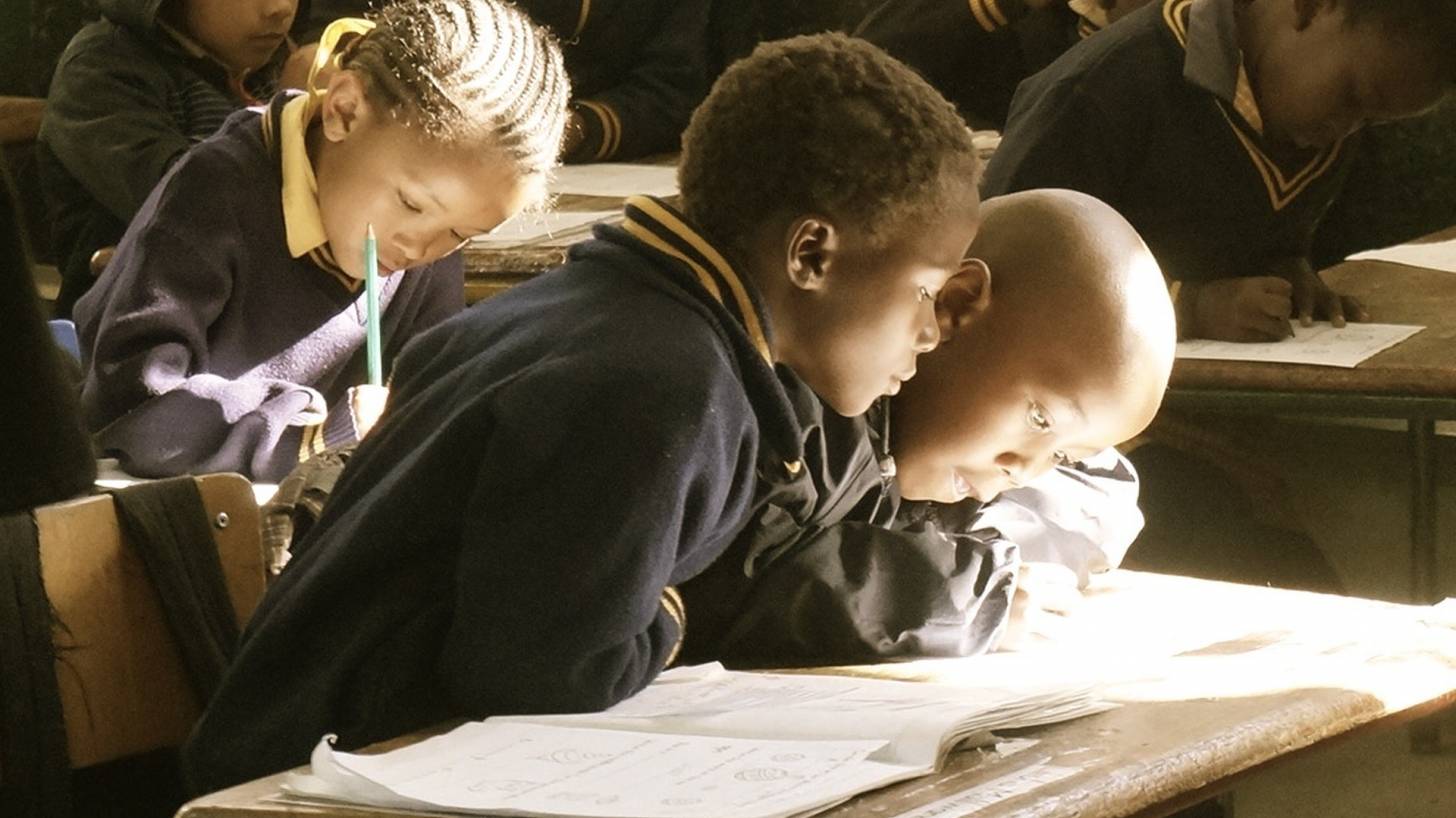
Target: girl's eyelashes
(409, 205)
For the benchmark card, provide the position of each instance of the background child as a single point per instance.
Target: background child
(132, 92)
(230, 326)
(637, 67)
(1058, 343)
(556, 459)
(1221, 129)
(977, 52)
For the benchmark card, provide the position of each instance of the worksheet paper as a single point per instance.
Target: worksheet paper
(1319, 345)
(1433, 255)
(528, 228)
(615, 179)
(699, 742)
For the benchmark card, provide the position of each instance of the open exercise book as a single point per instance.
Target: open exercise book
(699, 742)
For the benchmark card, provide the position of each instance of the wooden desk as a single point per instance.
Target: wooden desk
(1216, 681)
(491, 271)
(1414, 381)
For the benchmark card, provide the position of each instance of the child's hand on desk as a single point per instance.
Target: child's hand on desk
(366, 404)
(1046, 592)
(1237, 309)
(1313, 298)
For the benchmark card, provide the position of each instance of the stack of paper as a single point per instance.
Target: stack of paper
(697, 743)
(548, 229)
(1432, 254)
(615, 180)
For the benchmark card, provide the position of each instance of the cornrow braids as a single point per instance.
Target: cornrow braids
(465, 71)
(822, 123)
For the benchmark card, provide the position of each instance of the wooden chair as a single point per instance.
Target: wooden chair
(123, 687)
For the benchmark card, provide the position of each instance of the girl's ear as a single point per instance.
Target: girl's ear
(809, 252)
(964, 298)
(345, 106)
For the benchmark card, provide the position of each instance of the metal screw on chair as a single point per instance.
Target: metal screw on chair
(222, 519)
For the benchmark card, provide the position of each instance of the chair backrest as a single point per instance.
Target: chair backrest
(122, 683)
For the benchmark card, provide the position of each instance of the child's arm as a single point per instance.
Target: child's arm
(1083, 516)
(857, 592)
(943, 40)
(151, 390)
(647, 112)
(599, 490)
(107, 122)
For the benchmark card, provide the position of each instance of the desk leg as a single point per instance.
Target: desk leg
(1425, 734)
(1425, 566)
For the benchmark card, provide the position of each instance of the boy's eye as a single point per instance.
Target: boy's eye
(1037, 418)
(409, 205)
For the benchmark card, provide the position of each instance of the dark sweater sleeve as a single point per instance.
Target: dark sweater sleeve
(647, 111)
(107, 122)
(1083, 516)
(1063, 135)
(940, 39)
(599, 491)
(149, 392)
(857, 592)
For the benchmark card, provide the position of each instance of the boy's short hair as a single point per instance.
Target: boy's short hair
(823, 123)
(1430, 22)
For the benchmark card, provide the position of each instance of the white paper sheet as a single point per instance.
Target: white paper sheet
(615, 179)
(545, 228)
(1433, 255)
(700, 742)
(513, 768)
(1320, 345)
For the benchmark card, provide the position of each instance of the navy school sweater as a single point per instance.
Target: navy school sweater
(1150, 116)
(976, 52)
(551, 464)
(208, 347)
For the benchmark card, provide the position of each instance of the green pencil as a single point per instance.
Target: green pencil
(371, 300)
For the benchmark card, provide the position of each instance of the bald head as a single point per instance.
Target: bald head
(1058, 346)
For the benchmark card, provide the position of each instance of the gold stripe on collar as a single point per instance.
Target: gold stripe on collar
(983, 18)
(723, 268)
(1283, 190)
(1175, 14)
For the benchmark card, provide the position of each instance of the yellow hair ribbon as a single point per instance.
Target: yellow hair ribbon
(327, 55)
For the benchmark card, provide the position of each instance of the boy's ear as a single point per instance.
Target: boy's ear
(344, 107)
(964, 298)
(810, 250)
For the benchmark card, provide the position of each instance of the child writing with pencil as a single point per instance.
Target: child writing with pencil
(1223, 130)
(228, 332)
(556, 460)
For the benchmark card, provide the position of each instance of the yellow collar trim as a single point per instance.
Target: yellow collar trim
(302, 220)
(720, 265)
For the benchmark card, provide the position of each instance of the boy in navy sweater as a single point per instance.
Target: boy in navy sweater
(228, 332)
(1221, 130)
(555, 461)
(905, 535)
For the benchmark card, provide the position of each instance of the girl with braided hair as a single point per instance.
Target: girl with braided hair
(229, 328)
